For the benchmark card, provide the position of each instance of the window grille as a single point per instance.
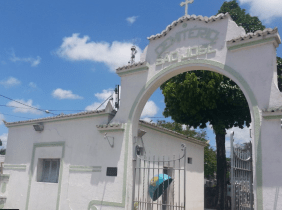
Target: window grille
(50, 170)
(189, 160)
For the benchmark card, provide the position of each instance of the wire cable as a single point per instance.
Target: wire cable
(16, 116)
(104, 101)
(15, 106)
(46, 111)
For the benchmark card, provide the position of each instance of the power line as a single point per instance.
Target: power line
(14, 106)
(16, 116)
(54, 110)
(46, 111)
(104, 101)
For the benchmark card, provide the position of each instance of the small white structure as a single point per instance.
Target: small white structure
(79, 161)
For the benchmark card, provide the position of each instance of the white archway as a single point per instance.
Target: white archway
(171, 71)
(215, 44)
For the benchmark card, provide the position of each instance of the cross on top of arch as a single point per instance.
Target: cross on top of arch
(186, 5)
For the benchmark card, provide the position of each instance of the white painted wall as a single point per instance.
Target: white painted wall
(84, 146)
(159, 144)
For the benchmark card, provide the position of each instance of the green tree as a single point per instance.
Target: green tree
(250, 24)
(279, 72)
(210, 162)
(2, 151)
(198, 97)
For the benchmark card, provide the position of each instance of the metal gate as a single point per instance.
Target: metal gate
(241, 176)
(160, 182)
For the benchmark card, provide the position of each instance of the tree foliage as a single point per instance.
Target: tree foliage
(2, 151)
(198, 97)
(249, 23)
(279, 72)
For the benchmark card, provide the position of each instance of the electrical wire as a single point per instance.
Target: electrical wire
(104, 101)
(14, 106)
(46, 111)
(53, 110)
(16, 116)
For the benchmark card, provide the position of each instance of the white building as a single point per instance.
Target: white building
(79, 161)
(82, 154)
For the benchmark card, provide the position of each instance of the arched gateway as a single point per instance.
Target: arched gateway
(88, 160)
(216, 44)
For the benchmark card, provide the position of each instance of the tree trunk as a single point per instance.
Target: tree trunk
(221, 171)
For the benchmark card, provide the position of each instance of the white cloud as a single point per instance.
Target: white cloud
(113, 55)
(131, 20)
(240, 136)
(150, 110)
(1, 119)
(265, 10)
(65, 94)
(104, 95)
(101, 98)
(33, 61)
(4, 138)
(32, 85)
(22, 108)
(147, 119)
(10, 82)
(94, 106)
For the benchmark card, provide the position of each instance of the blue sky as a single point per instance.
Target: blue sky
(61, 55)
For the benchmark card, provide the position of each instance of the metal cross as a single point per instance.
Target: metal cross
(186, 5)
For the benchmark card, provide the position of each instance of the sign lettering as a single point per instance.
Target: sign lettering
(204, 33)
(191, 52)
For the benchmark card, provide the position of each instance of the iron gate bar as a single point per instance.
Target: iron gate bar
(241, 176)
(165, 201)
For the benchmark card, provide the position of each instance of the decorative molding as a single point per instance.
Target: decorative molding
(132, 68)
(4, 179)
(14, 167)
(3, 187)
(46, 144)
(75, 168)
(116, 204)
(188, 18)
(110, 127)
(272, 117)
(259, 33)
(80, 115)
(171, 133)
(2, 202)
(250, 43)
(254, 108)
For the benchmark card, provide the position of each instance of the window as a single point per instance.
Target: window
(111, 171)
(48, 170)
(189, 160)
